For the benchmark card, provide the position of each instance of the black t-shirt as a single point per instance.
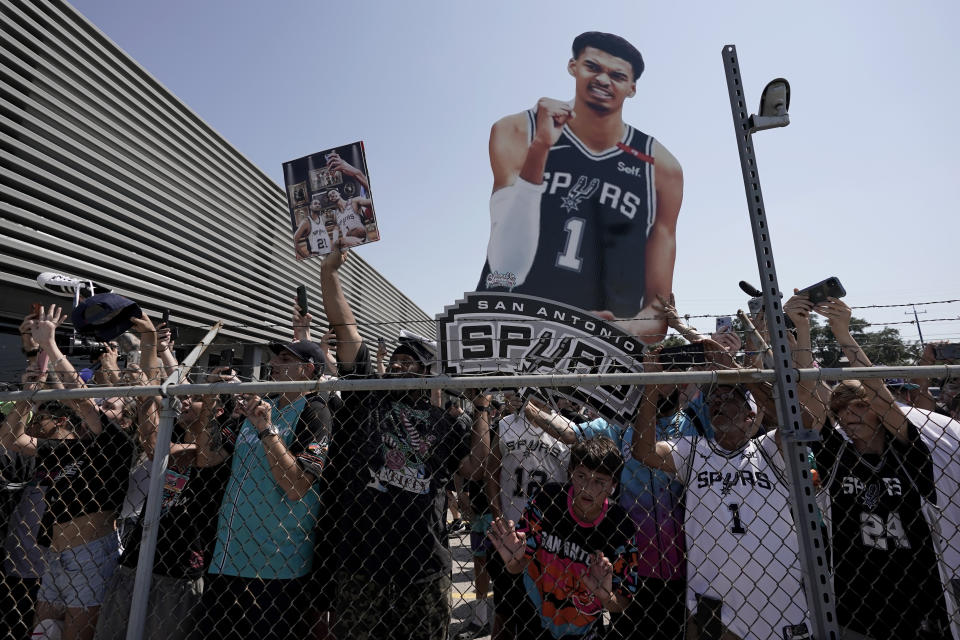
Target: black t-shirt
(390, 458)
(885, 572)
(84, 475)
(187, 528)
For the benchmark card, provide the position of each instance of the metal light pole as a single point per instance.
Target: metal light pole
(818, 586)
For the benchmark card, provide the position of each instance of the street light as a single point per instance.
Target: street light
(774, 104)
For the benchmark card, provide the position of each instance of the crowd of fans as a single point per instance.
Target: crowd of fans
(318, 515)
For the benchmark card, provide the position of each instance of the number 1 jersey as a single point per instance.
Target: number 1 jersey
(741, 541)
(595, 216)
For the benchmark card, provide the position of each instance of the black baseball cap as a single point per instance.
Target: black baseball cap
(105, 315)
(304, 350)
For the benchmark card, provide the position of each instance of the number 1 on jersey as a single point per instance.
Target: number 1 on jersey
(737, 524)
(570, 258)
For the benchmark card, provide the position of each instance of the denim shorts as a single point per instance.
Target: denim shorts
(77, 577)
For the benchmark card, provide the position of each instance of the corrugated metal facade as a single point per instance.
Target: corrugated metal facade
(108, 176)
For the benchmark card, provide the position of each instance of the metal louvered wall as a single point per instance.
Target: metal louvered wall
(106, 175)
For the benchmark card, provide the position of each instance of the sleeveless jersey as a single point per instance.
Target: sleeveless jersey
(529, 459)
(318, 240)
(595, 216)
(349, 219)
(882, 548)
(741, 542)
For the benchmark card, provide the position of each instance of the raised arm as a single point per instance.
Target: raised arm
(644, 448)
(814, 395)
(473, 465)
(338, 311)
(552, 423)
(882, 401)
(44, 328)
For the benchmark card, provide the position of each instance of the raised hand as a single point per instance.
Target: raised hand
(336, 258)
(551, 116)
(668, 307)
(798, 308)
(44, 325)
(301, 323)
(837, 314)
(509, 543)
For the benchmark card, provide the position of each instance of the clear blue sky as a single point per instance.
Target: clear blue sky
(863, 184)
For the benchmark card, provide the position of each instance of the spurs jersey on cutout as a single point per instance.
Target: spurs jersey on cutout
(595, 216)
(741, 543)
(348, 220)
(318, 240)
(529, 458)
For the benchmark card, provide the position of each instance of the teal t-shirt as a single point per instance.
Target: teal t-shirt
(261, 533)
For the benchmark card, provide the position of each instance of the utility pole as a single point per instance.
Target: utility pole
(916, 321)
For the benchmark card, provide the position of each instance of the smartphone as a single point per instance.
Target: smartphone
(226, 358)
(724, 324)
(946, 351)
(829, 288)
(681, 357)
(302, 299)
(174, 334)
(380, 341)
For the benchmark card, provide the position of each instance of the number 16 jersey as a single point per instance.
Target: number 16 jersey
(741, 542)
(595, 215)
(529, 459)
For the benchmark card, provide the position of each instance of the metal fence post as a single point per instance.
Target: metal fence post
(818, 586)
(151, 515)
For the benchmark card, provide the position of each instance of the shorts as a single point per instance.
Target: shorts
(369, 610)
(173, 607)
(480, 544)
(77, 577)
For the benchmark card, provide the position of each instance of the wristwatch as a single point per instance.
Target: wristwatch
(271, 430)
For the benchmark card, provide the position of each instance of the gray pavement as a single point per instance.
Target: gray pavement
(463, 595)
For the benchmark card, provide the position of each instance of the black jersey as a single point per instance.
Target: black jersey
(885, 572)
(595, 216)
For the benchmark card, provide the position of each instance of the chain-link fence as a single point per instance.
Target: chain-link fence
(412, 507)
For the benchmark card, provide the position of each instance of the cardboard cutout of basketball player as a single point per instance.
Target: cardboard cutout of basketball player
(584, 206)
(329, 199)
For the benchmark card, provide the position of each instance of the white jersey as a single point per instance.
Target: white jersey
(349, 219)
(318, 240)
(529, 458)
(741, 541)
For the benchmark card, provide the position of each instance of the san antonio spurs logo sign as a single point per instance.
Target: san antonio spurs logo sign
(502, 333)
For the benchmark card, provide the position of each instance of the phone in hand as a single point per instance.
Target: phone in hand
(302, 299)
(946, 351)
(36, 308)
(683, 356)
(829, 288)
(166, 321)
(226, 358)
(724, 324)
